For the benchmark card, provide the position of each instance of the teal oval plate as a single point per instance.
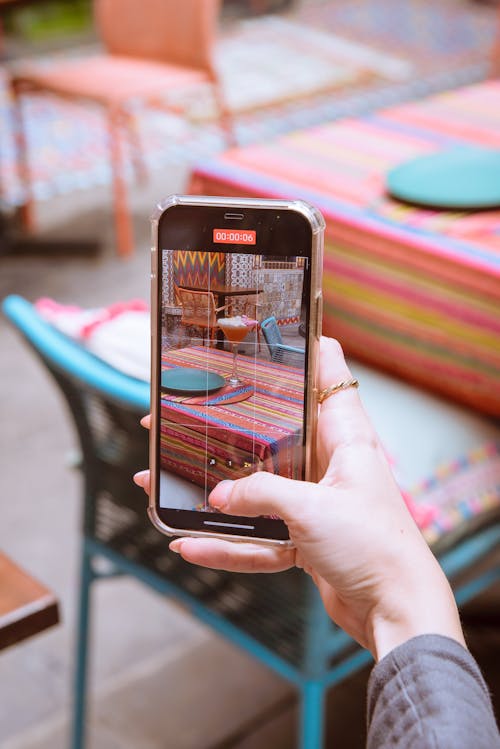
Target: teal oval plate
(190, 380)
(458, 179)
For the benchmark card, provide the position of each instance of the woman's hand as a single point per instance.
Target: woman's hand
(351, 531)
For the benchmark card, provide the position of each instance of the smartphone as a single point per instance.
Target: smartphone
(236, 320)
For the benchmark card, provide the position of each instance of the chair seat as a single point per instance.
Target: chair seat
(109, 79)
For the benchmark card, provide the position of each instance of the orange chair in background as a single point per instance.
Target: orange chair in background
(199, 310)
(151, 47)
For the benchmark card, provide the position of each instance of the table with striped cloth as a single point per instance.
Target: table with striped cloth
(412, 290)
(226, 440)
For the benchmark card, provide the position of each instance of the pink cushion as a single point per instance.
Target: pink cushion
(110, 79)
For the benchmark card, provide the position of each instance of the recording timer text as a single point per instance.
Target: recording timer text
(234, 236)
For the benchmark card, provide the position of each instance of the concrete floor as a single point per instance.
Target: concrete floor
(159, 678)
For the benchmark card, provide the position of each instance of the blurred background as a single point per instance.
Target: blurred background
(215, 98)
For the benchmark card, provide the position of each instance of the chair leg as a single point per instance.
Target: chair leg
(135, 148)
(80, 685)
(212, 334)
(225, 117)
(123, 222)
(258, 337)
(312, 716)
(27, 209)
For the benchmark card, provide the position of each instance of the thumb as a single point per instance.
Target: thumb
(262, 494)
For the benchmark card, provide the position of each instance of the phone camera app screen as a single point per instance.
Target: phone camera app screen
(233, 367)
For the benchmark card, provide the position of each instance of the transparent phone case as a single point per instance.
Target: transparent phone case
(317, 224)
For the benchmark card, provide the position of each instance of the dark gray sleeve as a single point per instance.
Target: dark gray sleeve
(429, 694)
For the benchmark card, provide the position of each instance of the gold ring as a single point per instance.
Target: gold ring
(327, 392)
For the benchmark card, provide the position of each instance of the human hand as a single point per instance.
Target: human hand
(351, 531)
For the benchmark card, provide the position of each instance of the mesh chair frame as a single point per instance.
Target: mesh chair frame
(280, 352)
(277, 618)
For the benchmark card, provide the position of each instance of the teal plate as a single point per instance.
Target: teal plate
(460, 178)
(189, 380)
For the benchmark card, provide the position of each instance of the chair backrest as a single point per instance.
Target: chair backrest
(181, 32)
(271, 331)
(279, 351)
(272, 334)
(198, 308)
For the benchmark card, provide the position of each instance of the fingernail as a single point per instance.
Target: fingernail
(222, 492)
(138, 477)
(176, 546)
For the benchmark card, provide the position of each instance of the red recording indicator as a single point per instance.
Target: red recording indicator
(234, 236)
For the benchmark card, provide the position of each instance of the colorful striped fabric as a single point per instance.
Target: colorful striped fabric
(198, 268)
(412, 290)
(207, 444)
(463, 493)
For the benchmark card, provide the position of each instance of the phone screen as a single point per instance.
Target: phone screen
(233, 315)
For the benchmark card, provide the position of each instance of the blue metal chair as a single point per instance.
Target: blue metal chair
(280, 352)
(279, 618)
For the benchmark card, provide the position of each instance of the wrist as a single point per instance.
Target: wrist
(425, 607)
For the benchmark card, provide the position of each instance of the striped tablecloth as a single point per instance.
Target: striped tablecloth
(263, 431)
(411, 290)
